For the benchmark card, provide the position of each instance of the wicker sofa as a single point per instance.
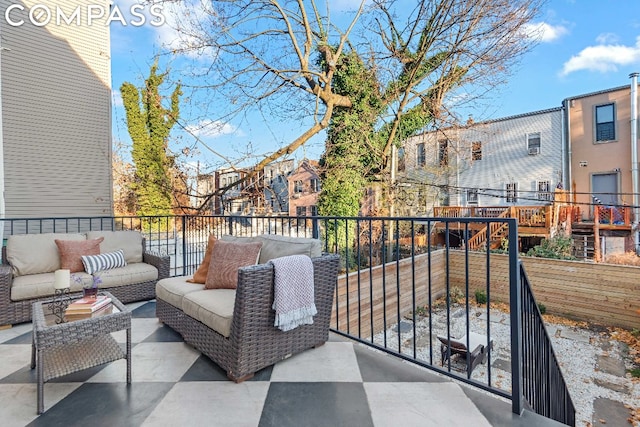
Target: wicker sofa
(30, 260)
(235, 328)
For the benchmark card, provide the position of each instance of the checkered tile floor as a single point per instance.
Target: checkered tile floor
(338, 384)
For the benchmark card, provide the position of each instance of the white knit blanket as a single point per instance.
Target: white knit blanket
(293, 298)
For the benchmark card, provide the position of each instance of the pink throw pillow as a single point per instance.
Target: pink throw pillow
(71, 251)
(226, 258)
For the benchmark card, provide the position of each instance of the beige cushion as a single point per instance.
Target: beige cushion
(36, 253)
(41, 285)
(274, 246)
(213, 307)
(71, 252)
(129, 241)
(226, 259)
(172, 289)
(136, 272)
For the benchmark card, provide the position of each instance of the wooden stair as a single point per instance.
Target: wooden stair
(583, 238)
(497, 232)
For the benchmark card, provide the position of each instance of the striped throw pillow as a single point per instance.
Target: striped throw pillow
(93, 263)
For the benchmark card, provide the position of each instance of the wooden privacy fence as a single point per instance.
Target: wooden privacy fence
(376, 290)
(599, 293)
(605, 294)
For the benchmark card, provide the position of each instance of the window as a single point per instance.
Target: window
(422, 155)
(224, 182)
(544, 190)
(301, 211)
(605, 187)
(512, 192)
(297, 187)
(401, 165)
(314, 210)
(605, 123)
(533, 143)
(472, 196)
(443, 153)
(476, 151)
(315, 185)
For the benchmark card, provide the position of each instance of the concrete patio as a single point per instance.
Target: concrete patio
(339, 384)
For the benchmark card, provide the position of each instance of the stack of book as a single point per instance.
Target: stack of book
(88, 306)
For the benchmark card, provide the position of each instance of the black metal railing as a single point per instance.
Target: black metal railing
(407, 281)
(543, 386)
(404, 282)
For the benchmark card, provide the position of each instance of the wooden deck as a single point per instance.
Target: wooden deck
(532, 221)
(535, 218)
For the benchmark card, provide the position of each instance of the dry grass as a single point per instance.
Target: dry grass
(560, 320)
(628, 258)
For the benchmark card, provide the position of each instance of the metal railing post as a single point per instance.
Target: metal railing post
(516, 320)
(184, 245)
(315, 228)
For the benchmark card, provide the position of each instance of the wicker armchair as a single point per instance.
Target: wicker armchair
(254, 343)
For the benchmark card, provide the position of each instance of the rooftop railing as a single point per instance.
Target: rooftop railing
(404, 283)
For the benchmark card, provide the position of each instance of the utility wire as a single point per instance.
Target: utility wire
(484, 191)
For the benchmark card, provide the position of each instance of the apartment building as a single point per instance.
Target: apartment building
(304, 189)
(276, 186)
(599, 148)
(512, 161)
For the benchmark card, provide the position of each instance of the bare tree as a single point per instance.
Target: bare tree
(280, 57)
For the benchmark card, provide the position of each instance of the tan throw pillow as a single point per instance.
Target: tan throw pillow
(226, 258)
(200, 276)
(71, 252)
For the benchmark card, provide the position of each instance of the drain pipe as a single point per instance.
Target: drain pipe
(566, 149)
(2, 203)
(634, 155)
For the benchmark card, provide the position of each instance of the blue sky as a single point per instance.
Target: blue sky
(586, 46)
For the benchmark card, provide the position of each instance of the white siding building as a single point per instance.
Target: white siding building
(56, 114)
(276, 186)
(515, 160)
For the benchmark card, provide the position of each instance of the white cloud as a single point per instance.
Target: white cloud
(213, 129)
(544, 32)
(603, 57)
(607, 38)
(187, 22)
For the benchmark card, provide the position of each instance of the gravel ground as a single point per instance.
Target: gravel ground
(578, 351)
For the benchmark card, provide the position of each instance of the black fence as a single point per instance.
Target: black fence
(543, 385)
(448, 294)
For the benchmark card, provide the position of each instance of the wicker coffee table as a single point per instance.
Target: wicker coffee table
(61, 349)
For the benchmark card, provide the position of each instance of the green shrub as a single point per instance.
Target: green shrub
(481, 297)
(504, 247)
(542, 308)
(635, 372)
(558, 247)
